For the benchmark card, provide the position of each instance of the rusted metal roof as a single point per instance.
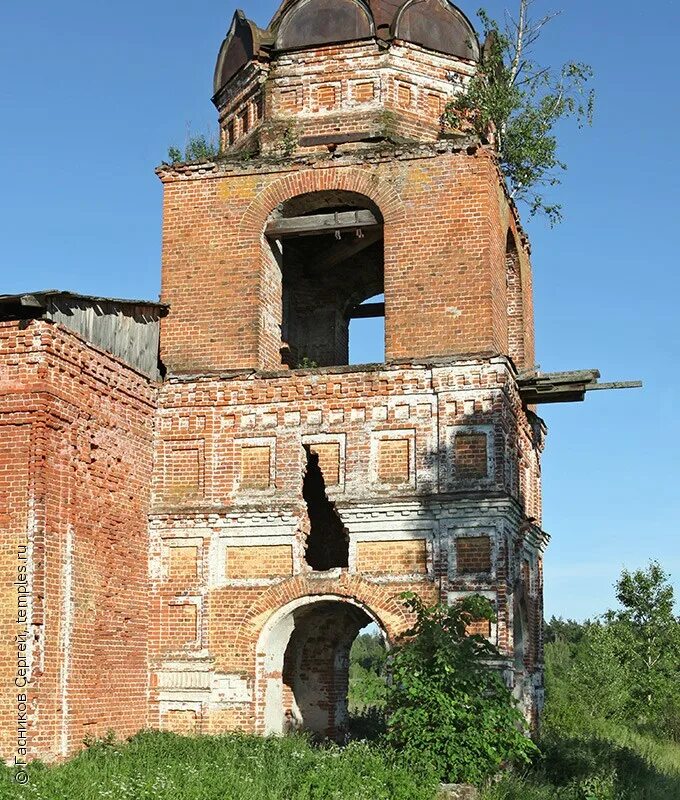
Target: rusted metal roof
(243, 44)
(434, 24)
(314, 22)
(437, 25)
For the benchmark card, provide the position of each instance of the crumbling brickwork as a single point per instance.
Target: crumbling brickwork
(426, 532)
(201, 551)
(75, 466)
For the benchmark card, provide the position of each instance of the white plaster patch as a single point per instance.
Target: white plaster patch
(230, 689)
(292, 419)
(379, 414)
(315, 418)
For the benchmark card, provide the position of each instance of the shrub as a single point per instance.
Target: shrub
(447, 704)
(199, 148)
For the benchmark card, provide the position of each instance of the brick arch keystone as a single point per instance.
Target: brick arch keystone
(349, 179)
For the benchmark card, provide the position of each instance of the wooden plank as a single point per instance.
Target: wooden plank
(321, 223)
(607, 387)
(368, 311)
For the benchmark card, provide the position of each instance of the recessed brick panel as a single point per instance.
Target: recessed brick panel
(183, 478)
(479, 627)
(329, 461)
(290, 100)
(180, 721)
(392, 558)
(473, 554)
(181, 625)
(273, 561)
(394, 461)
(325, 97)
(255, 467)
(404, 95)
(471, 455)
(364, 92)
(182, 563)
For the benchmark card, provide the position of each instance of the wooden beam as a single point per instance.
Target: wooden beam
(566, 387)
(321, 224)
(368, 311)
(608, 387)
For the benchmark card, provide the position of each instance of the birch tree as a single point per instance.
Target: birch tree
(515, 104)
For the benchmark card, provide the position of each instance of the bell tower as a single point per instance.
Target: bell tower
(296, 496)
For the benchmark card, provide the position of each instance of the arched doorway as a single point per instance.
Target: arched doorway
(329, 247)
(304, 665)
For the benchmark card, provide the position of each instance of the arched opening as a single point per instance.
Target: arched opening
(329, 246)
(516, 347)
(306, 651)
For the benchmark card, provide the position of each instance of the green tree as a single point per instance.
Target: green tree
(568, 631)
(647, 646)
(447, 703)
(516, 103)
(367, 679)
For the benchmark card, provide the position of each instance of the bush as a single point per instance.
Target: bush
(447, 705)
(199, 148)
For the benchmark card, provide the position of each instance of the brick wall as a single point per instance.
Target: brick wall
(75, 468)
(392, 557)
(446, 227)
(435, 530)
(355, 87)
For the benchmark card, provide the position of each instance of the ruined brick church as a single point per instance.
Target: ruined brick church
(201, 501)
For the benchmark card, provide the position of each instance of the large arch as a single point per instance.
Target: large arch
(252, 239)
(381, 604)
(325, 275)
(348, 181)
(292, 184)
(303, 664)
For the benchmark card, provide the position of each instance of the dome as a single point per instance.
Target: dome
(239, 48)
(314, 22)
(433, 24)
(437, 25)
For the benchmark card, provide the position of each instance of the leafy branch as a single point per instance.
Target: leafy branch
(515, 103)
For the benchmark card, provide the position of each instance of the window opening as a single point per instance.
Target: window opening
(330, 249)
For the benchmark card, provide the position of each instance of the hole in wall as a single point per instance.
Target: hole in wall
(328, 540)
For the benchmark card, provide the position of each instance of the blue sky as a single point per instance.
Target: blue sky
(94, 93)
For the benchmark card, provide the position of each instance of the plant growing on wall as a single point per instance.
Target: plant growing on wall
(198, 148)
(447, 704)
(516, 103)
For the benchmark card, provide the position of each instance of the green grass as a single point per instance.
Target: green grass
(604, 762)
(162, 766)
